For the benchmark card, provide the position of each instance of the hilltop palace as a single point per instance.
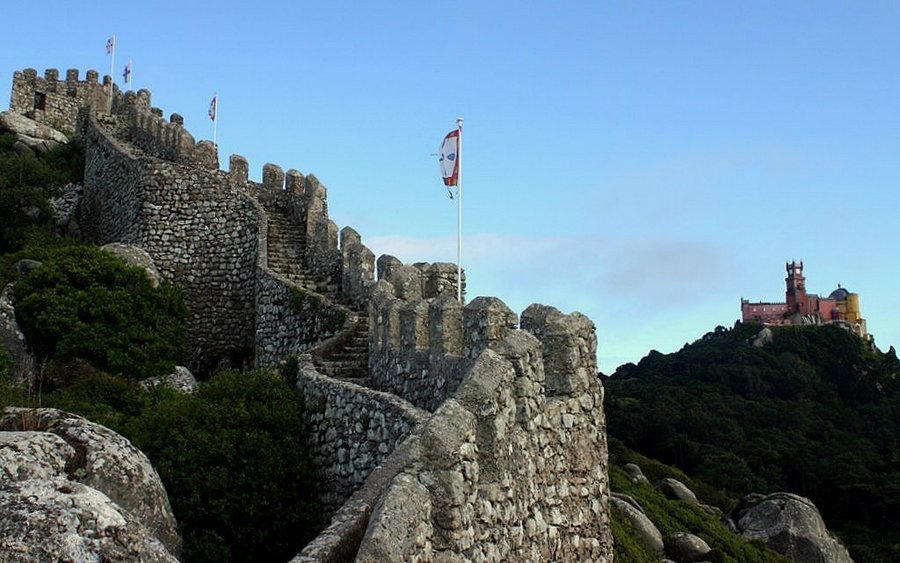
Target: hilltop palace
(840, 307)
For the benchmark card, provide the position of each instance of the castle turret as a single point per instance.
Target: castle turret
(796, 289)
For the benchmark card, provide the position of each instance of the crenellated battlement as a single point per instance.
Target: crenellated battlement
(144, 126)
(49, 100)
(512, 464)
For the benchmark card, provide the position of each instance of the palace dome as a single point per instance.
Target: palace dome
(839, 294)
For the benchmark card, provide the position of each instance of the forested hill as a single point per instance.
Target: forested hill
(816, 411)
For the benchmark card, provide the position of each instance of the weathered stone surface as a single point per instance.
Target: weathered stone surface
(136, 256)
(401, 526)
(64, 206)
(790, 525)
(648, 533)
(763, 337)
(102, 460)
(675, 489)
(29, 128)
(61, 520)
(687, 548)
(12, 339)
(635, 474)
(33, 455)
(182, 380)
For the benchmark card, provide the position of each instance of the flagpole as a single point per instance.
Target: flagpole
(459, 188)
(112, 74)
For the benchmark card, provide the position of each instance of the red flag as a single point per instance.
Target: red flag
(450, 158)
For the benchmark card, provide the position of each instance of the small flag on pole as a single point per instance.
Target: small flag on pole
(212, 107)
(126, 74)
(450, 158)
(110, 45)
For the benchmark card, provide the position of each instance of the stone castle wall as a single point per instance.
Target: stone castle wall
(483, 437)
(513, 465)
(200, 231)
(352, 430)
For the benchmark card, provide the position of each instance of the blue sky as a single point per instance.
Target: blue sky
(645, 163)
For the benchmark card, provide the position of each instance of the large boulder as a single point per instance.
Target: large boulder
(645, 529)
(49, 444)
(687, 548)
(62, 520)
(635, 475)
(790, 525)
(181, 380)
(136, 256)
(676, 490)
(30, 135)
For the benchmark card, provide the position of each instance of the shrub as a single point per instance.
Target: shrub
(26, 184)
(232, 460)
(87, 303)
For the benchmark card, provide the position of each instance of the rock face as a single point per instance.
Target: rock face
(30, 134)
(52, 450)
(181, 380)
(790, 525)
(61, 520)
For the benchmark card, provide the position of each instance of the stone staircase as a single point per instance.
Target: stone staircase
(287, 250)
(348, 359)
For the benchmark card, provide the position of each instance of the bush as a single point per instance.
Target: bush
(87, 303)
(26, 184)
(232, 459)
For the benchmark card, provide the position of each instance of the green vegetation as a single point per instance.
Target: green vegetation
(87, 303)
(232, 460)
(815, 412)
(230, 456)
(26, 184)
(672, 516)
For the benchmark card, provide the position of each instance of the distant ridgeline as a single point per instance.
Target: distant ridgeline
(443, 431)
(840, 307)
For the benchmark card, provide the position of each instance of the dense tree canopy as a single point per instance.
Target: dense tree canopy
(815, 412)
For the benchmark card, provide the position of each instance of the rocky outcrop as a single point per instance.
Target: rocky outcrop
(762, 338)
(181, 380)
(52, 450)
(790, 525)
(30, 135)
(61, 520)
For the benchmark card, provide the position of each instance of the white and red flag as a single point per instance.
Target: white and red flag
(110, 45)
(450, 158)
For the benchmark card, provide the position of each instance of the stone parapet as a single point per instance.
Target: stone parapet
(503, 471)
